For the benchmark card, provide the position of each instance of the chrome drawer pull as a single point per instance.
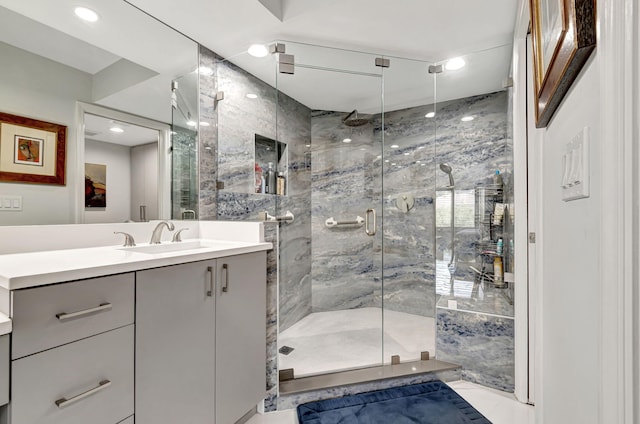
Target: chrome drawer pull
(225, 288)
(102, 308)
(210, 288)
(61, 403)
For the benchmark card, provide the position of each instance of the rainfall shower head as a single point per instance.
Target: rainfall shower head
(352, 120)
(447, 170)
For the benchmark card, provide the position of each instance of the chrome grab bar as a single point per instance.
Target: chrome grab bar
(331, 222)
(102, 308)
(61, 403)
(367, 227)
(287, 217)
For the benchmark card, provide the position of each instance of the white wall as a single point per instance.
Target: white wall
(39, 88)
(117, 158)
(570, 240)
(144, 180)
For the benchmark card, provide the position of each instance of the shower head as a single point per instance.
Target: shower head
(352, 120)
(447, 170)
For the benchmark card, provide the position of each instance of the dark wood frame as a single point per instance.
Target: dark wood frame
(60, 156)
(577, 41)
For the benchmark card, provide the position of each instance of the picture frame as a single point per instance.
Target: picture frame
(564, 36)
(32, 151)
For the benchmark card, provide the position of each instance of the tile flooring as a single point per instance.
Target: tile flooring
(354, 338)
(498, 407)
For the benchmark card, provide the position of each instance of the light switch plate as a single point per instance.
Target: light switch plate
(575, 167)
(10, 203)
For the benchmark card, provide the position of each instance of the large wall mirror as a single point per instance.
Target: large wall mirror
(118, 71)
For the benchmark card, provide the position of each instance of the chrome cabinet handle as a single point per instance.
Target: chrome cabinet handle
(63, 402)
(210, 291)
(225, 288)
(367, 228)
(102, 308)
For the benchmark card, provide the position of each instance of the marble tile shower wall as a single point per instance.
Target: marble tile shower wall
(409, 266)
(343, 186)
(208, 137)
(482, 342)
(239, 119)
(184, 171)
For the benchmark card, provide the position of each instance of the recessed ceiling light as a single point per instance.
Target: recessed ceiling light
(362, 148)
(455, 64)
(116, 130)
(258, 50)
(192, 123)
(394, 146)
(407, 153)
(422, 164)
(86, 14)
(204, 124)
(393, 164)
(386, 161)
(346, 140)
(205, 70)
(467, 118)
(307, 145)
(379, 157)
(252, 96)
(418, 161)
(430, 115)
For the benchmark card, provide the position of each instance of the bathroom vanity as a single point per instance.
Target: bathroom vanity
(167, 333)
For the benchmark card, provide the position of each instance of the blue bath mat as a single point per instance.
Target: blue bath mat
(427, 403)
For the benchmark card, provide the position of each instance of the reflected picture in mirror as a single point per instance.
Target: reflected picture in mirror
(54, 64)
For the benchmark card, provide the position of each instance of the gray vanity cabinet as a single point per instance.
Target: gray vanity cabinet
(5, 361)
(200, 340)
(240, 335)
(73, 353)
(175, 344)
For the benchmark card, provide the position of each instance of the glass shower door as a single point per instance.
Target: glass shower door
(330, 256)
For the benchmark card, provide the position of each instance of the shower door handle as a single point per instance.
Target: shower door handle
(368, 228)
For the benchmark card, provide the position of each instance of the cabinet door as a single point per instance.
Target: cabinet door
(175, 344)
(4, 369)
(240, 335)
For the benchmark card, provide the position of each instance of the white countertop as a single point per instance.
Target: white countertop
(5, 324)
(23, 270)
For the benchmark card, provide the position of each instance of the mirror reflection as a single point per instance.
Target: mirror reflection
(53, 62)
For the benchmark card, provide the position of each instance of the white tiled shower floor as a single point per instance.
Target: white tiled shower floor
(340, 340)
(498, 407)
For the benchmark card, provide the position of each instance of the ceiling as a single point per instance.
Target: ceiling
(412, 33)
(425, 31)
(98, 128)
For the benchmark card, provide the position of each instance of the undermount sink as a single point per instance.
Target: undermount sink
(168, 247)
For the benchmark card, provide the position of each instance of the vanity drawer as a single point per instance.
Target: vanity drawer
(41, 383)
(50, 316)
(4, 369)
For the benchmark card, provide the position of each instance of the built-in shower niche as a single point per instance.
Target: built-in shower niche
(269, 151)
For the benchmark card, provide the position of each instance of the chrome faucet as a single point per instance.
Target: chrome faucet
(157, 232)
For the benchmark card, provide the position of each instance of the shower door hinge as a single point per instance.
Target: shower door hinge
(220, 185)
(219, 96)
(382, 62)
(277, 48)
(532, 237)
(286, 374)
(395, 359)
(424, 356)
(435, 69)
(286, 63)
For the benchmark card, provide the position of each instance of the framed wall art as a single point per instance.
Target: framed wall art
(32, 151)
(564, 35)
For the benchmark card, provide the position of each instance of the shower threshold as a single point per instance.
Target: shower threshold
(364, 375)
